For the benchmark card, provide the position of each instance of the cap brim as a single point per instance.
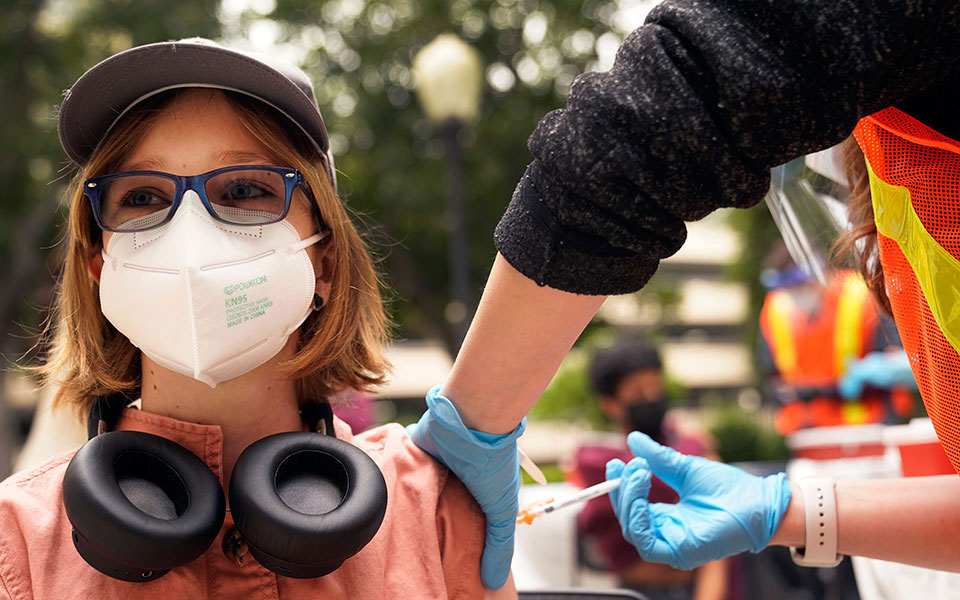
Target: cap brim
(105, 92)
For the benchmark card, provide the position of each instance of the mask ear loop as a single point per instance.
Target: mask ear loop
(307, 241)
(323, 229)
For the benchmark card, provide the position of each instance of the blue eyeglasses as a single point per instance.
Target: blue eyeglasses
(240, 195)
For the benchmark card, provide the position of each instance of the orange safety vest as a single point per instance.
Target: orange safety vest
(813, 350)
(915, 187)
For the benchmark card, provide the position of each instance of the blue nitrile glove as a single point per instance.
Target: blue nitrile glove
(722, 510)
(488, 465)
(879, 369)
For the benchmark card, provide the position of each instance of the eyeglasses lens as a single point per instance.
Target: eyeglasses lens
(248, 197)
(135, 202)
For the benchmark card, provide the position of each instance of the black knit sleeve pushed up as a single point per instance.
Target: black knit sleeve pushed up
(701, 102)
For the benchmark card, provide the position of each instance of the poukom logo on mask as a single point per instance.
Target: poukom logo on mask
(236, 287)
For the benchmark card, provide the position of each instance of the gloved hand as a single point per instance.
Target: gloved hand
(879, 369)
(722, 510)
(488, 465)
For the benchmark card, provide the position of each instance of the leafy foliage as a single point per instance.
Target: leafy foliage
(759, 235)
(569, 395)
(741, 436)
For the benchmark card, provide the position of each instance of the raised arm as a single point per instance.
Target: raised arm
(516, 341)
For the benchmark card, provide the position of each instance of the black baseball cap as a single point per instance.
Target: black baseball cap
(112, 87)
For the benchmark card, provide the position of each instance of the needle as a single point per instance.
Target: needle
(542, 507)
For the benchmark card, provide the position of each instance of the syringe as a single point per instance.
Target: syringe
(541, 507)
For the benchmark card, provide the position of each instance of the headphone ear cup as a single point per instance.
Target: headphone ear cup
(140, 504)
(306, 502)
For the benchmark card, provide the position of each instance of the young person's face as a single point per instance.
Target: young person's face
(200, 132)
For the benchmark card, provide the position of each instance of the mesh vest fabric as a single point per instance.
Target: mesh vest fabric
(908, 160)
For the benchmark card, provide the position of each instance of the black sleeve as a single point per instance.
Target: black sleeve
(701, 102)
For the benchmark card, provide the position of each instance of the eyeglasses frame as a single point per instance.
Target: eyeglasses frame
(292, 178)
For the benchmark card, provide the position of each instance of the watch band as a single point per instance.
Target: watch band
(820, 508)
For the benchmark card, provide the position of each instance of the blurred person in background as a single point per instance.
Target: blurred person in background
(628, 378)
(811, 335)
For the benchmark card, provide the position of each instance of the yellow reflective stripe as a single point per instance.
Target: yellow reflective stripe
(781, 321)
(847, 327)
(938, 273)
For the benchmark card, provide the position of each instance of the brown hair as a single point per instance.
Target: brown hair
(859, 242)
(339, 348)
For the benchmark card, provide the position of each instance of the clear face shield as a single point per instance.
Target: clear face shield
(807, 201)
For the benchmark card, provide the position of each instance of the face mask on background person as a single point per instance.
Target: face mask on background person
(647, 417)
(207, 299)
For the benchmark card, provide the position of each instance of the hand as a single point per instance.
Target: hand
(488, 465)
(722, 510)
(879, 369)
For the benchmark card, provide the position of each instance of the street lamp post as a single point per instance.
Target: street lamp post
(449, 77)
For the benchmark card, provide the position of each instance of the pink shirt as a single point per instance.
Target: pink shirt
(428, 546)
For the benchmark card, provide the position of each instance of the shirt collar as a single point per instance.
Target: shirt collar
(205, 441)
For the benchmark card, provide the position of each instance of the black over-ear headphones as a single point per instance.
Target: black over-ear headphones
(141, 505)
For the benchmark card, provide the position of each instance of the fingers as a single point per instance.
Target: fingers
(666, 463)
(614, 469)
(497, 554)
(634, 484)
(634, 511)
(644, 534)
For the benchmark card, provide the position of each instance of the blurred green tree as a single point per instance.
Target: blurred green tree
(760, 235)
(44, 47)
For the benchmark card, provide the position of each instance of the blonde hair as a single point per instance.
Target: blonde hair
(339, 348)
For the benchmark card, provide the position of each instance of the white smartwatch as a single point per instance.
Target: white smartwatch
(820, 508)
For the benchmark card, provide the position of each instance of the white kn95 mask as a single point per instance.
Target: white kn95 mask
(206, 299)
